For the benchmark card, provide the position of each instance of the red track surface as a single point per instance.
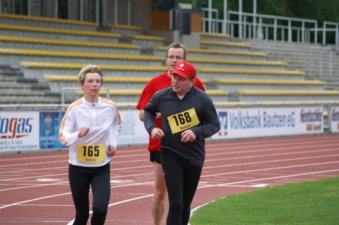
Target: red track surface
(34, 186)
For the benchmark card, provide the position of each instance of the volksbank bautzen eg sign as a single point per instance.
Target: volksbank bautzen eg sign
(257, 122)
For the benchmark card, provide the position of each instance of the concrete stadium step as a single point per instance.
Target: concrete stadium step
(317, 61)
(266, 84)
(126, 30)
(13, 85)
(17, 89)
(26, 92)
(287, 95)
(26, 20)
(8, 71)
(37, 70)
(215, 53)
(225, 45)
(144, 41)
(214, 37)
(29, 100)
(13, 57)
(14, 79)
(132, 96)
(57, 82)
(57, 33)
(67, 45)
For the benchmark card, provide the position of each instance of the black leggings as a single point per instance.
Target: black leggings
(80, 179)
(182, 180)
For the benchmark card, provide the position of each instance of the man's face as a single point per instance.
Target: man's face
(181, 85)
(174, 55)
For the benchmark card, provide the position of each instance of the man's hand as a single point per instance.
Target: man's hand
(157, 134)
(188, 136)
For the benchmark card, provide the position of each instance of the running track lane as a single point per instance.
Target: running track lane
(34, 186)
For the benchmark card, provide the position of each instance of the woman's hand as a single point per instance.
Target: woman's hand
(111, 151)
(83, 131)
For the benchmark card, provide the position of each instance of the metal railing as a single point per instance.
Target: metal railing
(73, 90)
(328, 29)
(270, 27)
(242, 25)
(260, 26)
(320, 61)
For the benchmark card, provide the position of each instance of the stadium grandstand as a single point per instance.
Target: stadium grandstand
(43, 45)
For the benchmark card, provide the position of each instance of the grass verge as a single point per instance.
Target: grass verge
(308, 203)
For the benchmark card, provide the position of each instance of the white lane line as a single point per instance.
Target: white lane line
(268, 154)
(272, 161)
(207, 160)
(34, 186)
(287, 176)
(206, 167)
(63, 160)
(121, 202)
(267, 143)
(269, 178)
(272, 168)
(66, 174)
(67, 193)
(206, 186)
(32, 200)
(66, 182)
(236, 184)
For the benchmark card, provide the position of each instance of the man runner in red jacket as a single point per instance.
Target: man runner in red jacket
(175, 52)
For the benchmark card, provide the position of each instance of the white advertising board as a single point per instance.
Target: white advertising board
(334, 119)
(19, 131)
(132, 129)
(263, 122)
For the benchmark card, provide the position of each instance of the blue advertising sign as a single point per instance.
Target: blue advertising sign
(49, 130)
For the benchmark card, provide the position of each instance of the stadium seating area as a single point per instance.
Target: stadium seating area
(40, 59)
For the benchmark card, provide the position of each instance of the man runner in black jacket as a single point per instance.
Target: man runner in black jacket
(188, 117)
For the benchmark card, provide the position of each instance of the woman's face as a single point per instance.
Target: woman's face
(91, 85)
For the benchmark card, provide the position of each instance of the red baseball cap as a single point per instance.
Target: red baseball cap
(185, 70)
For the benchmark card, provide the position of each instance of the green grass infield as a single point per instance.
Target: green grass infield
(308, 203)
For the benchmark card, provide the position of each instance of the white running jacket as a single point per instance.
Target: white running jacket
(103, 120)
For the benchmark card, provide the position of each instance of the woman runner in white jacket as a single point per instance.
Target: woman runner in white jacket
(90, 128)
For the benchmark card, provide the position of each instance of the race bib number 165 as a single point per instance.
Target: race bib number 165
(91, 153)
(183, 120)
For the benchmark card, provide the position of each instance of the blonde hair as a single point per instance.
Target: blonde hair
(89, 68)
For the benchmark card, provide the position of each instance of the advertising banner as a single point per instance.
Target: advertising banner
(49, 130)
(22, 131)
(263, 122)
(132, 130)
(19, 131)
(334, 119)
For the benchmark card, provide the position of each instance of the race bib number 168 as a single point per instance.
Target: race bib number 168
(183, 120)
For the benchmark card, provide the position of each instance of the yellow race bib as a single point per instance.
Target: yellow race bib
(91, 153)
(183, 120)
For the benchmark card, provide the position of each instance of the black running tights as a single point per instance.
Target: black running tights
(81, 179)
(182, 180)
